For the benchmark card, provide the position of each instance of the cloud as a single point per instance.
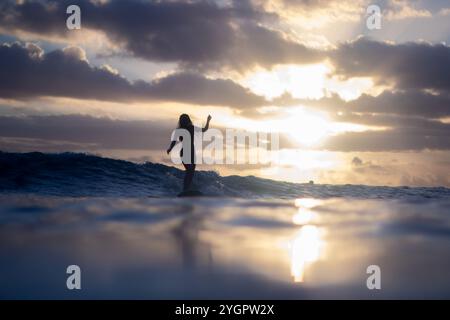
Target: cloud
(434, 137)
(407, 66)
(27, 72)
(402, 9)
(402, 103)
(394, 169)
(57, 133)
(199, 34)
(193, 34)
(318, 13)
(88, 133)
(410, 103)
(206, 35)
(196, 89)
(363, 167)
(410, 120)
(357, 162)
(444, 12)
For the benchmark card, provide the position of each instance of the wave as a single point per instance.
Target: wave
(84, 175)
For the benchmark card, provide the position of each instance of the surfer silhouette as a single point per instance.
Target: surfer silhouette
(185, 123)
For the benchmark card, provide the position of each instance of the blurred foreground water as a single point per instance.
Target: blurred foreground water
(212, 248)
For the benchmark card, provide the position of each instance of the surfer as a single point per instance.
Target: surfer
(185, 123)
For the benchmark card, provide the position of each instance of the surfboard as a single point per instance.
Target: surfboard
(190, 193)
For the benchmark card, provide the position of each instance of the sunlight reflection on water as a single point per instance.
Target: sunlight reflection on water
(222, 247)
(307, 245)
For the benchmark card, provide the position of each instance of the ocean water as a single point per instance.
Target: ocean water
(81, 175)
(249, 238)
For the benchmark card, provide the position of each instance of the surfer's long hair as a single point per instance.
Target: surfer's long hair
(184, 122)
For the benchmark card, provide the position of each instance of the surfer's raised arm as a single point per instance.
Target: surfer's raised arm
(207, 123)
(172, 144)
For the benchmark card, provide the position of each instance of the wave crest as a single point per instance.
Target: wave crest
(84, 175)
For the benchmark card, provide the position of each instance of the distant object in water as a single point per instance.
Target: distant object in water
(311, 181)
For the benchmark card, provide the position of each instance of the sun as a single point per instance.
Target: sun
(303, 126)
(307, 128)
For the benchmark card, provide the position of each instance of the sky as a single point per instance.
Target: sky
(351, 104)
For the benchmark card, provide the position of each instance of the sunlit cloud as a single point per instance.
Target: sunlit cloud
(301, 81)
(444, 12)
(401, 9)
(308, 82)
(316, 14)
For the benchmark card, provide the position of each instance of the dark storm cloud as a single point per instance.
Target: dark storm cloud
(408, 65)
(26, 72)
(198, 33)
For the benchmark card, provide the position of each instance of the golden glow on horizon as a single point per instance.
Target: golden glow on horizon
(445, 120)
